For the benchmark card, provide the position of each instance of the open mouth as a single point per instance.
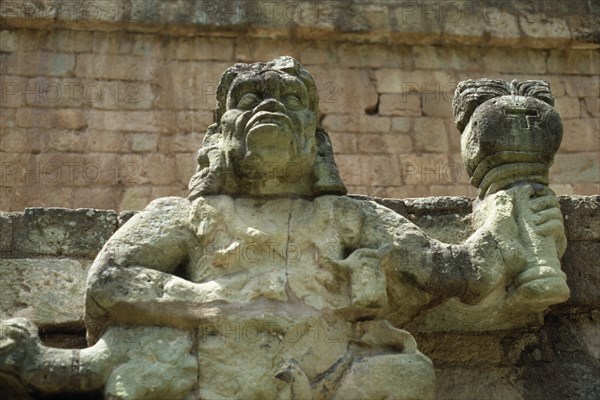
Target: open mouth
(269, 118)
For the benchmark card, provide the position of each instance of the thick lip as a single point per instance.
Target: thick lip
(266, 117)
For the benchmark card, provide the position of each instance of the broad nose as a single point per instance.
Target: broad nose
(271, 105)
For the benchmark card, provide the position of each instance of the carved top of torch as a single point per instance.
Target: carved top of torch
(510, 131)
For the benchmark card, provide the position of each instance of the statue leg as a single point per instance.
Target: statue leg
(387, 364)
(150, 363)
(30, 367)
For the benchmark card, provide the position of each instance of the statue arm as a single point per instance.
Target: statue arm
(133, 279)
(495, 255)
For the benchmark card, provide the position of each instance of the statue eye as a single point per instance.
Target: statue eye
(292, 102)
(248, 101)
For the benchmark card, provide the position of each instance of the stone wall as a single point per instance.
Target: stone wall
(104, 103)
(45, 254)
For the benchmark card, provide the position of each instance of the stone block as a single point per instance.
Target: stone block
(49, 118)
(582, 167)
(180, 142)
(144, 142)
(76, 169)
(113, 42)
(545, 28)
(37, 64)
(319, 52)
(49, 292)
(425, 170)
(581, 135)
(385, 143)
(511, 60)
(374, 55)
(583, 62)
(436, 105)
(430, 135)
(160, 169)
(188, 85)
(42, 195)
(448, 57)
(105, 198)
(491, 383)
(401, 124)
(581, 217)
(587, 189)
(417, 81)
(176, 122)
(9, 41)
(186, 164)
(201, 48)
(376, 170)
(8, 222)
(63, 232)
(450, 348)
(20, 140)
(103, 141)
(134, 121)
(170, 190)
(8, 119)
(454, 189)
(62, 140)
(582, 86)
(361, 123)
(343, 89)
(567, 107)
(344, 142)
(406, 104)
(124, 67)
(116, 94)
(69, 41)
(148, 45)
(136, 198)
(592, 104)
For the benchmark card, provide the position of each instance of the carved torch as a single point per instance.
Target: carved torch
(510, 133)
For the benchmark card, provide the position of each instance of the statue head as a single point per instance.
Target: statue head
(266, 140)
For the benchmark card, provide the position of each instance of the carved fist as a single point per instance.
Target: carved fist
(527, 225)
(18, 340)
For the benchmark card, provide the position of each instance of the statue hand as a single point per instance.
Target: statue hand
(526, 225)
(18, 340)
(547, 218)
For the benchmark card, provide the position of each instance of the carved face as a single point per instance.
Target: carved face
(268, 126)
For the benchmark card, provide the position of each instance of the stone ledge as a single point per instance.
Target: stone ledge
(83, 231)
(45, 239)
(527, 23)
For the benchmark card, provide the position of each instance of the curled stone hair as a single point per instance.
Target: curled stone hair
(471, 94)
(215, 176)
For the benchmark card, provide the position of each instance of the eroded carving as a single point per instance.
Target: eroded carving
(268, 282)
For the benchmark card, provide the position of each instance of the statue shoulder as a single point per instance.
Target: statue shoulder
(164, 215)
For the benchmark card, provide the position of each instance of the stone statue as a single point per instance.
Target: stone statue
(269, 282)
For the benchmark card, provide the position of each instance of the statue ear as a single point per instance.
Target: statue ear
(327, 176)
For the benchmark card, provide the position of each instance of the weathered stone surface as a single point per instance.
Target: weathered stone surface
(581, 216)
(62, 232)
(580, 263)
(49, 292)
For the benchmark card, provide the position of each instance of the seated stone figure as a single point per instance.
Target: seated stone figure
(267, 282)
